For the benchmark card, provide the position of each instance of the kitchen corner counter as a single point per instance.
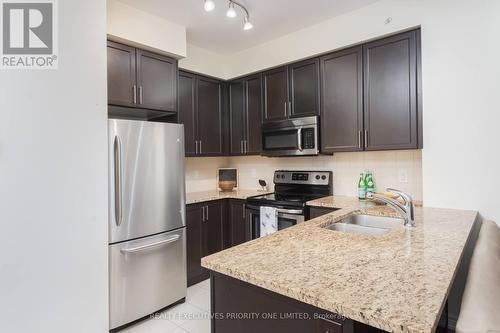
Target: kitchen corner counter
(197, 197)
(397, 282)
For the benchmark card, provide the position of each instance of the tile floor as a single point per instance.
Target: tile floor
(193, 316)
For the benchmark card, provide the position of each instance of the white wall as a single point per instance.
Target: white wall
(203, 61)
(460, 50)
(53, 184)
(138, 28)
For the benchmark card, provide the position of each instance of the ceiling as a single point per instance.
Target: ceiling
(271, 19)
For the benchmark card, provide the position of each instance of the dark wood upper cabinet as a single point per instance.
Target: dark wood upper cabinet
(342, 101)
(304, 88)
(141, 80)
(122, 86)
(390, 92)
(187, 111)
(156, 81)
(237, 115)
(253, 94)
(245, 110)
(276, 102)
(209, 117)
(200, 110)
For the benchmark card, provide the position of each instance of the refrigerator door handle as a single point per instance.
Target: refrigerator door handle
(149, 246)
(118, 180)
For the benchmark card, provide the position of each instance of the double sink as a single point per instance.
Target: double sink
(366, 224)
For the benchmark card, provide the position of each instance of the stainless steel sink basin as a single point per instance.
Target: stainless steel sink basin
(366, 224)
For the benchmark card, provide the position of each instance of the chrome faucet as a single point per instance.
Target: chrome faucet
(406, 210)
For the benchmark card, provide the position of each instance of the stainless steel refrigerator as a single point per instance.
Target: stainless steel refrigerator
(147, 228)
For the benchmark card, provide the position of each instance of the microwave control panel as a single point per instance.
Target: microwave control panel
(308, 138)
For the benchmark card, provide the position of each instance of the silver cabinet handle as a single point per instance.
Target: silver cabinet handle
(244, 209)
(196, 147)
(286, 112)
(299, 139)
(134, 92)
(140, 94)
(359, 139)
(149, 246)
(244, 146)
(366, 139)
(200, 145)
(241, 146)
(117, 150)
(290, 107)
(206, 207)
(203, 214)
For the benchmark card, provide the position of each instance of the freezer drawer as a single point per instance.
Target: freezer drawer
(146, 275)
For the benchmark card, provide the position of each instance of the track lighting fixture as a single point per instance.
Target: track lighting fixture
(231, 12)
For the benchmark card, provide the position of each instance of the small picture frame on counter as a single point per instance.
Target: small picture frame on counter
(227, 179)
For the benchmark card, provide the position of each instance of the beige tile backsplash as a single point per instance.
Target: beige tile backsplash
(388, 167)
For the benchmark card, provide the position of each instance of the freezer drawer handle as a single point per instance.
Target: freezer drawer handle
(118, 181)
(148, 246)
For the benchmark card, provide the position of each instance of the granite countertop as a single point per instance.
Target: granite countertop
(397, 282)
(196, 197)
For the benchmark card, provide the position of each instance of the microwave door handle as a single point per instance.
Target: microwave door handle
(299, 139)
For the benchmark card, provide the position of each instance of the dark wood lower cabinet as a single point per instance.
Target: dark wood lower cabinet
(244, 308)
(195, 245)
(211, 227)
(314, 212)
(238, 226)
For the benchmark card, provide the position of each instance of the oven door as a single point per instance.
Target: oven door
(286, 218)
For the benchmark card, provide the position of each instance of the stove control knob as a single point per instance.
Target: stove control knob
(278, 176)
(323, 177)
(317, 177)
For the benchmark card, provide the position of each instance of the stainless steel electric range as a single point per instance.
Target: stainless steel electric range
(292, 190)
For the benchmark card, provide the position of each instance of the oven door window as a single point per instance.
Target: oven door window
(284, 221)
(281, 139)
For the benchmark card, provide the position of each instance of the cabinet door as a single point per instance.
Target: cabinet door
(214, 220)
(253, 93)
(209, 116)
(121, 75)
(304, 88)
(390, 92)
(239, 229)
(342, 101)
(157, 81)
(187, 110)
(237, 116)
(195, 244)
(276, 94)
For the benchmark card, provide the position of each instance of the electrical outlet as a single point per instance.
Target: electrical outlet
(403, 176)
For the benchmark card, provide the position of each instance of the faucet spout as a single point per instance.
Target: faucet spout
(406, 210)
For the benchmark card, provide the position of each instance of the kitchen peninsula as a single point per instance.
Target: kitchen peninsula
(396, 282)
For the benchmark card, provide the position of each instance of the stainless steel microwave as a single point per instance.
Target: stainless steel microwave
(292, 137)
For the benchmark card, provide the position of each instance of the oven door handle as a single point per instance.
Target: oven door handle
(279, 210)
(289, 211)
